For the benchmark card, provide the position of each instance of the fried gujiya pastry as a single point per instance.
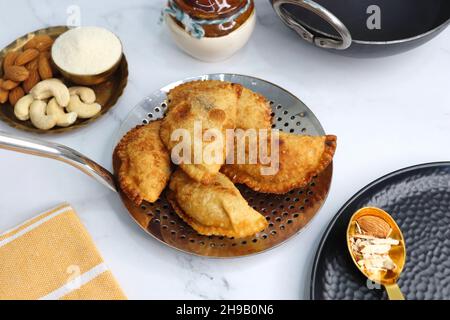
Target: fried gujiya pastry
(205, 110)
(300, 158)
(253, 109)
(183, 91)
(215, 209)
(145, 166)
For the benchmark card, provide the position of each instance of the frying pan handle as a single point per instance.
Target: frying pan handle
(58, 152)
(323, 42)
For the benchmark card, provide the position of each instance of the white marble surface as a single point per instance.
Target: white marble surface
(388, 113)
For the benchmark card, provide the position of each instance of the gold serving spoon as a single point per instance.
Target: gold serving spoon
(397, 253)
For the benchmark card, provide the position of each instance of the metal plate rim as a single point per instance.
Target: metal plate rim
(333, 221)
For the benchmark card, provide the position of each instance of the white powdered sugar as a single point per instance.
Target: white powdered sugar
(87, 51)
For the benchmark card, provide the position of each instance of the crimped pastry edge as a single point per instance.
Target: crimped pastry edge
(131, 192)
(268, 118)
(327, 158)
(212, 231)
(188, 84)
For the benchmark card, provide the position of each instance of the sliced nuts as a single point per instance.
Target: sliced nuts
(372, 257)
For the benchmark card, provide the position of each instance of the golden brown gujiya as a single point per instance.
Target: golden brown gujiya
(145, 166)
(214, 209)
(207, 106)
(253, 109)
(183, 91)
(300, 159)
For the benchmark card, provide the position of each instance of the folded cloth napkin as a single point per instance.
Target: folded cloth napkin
(53, 257)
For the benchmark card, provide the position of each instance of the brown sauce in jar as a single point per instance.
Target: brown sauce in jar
(216, 9)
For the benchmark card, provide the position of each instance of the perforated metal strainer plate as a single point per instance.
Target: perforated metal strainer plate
(287, 214)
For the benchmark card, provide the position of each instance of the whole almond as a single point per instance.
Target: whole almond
(33, 65)
(46, 54)
(16, 73)
(9, 85)
(10, 59)
(32, 80)
(26, 56)
(374, 226)
(45, 69)
(3, 96)
(39, 42)
(15, 95)
(45, 45)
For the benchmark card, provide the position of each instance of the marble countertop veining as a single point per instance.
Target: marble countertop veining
(388, 113)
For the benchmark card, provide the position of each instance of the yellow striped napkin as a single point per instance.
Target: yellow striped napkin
(53, 257)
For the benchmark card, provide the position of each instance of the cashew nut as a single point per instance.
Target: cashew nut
(22, 107)
(52, 88)
(62, 119)
(38, 117)
(86, 94)
(83, 110)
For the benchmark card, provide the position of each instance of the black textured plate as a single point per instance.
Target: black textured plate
(419, 200)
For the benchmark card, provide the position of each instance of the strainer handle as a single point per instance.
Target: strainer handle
(323, 42)
(58, 152)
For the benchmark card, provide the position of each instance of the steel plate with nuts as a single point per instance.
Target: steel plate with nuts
(287, 214)
(108, 93)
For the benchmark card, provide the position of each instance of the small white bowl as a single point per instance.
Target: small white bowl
(212, 49)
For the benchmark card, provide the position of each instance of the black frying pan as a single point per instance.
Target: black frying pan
(365, 27)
